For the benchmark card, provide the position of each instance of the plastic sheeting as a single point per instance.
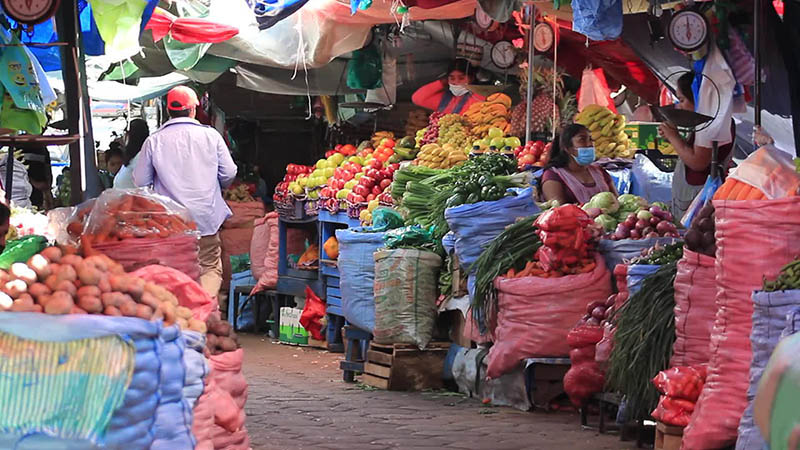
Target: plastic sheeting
(197, 367)
(477, 224)
(636, 275)
(535, 314)
(773, 228)
(357, 271)
(650, 182)
(769, 320)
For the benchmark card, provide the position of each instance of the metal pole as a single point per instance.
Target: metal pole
(529, 93)
(67, 27)
(757, 54)
(714, 159)
(9, 174)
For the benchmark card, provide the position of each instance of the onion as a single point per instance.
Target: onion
(647, 230)
(641, 224)
(652, 234)
(593, 322)
(630, 222)
(668, 217)
(636, 234)
(599, 313)
(655, 221)
(623, 231)
(611, 301)
(595, 304)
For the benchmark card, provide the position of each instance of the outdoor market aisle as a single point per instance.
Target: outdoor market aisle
(297, 400)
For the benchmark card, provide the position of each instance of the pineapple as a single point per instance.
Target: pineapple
(542, 118)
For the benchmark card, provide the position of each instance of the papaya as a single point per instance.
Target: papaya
(331, 247)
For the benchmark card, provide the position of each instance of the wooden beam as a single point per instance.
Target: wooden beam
(67, 27)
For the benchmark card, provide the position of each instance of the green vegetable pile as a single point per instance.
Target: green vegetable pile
(645, 332)
(788, 278)
(659, 255)
(514, 247)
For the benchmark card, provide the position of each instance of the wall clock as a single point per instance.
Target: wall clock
(688, 30)
(30, 12)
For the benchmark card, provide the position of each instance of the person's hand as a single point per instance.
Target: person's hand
(668, 131)
(761, 138)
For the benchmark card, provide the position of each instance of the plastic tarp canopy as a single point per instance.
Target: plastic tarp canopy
(313, 36)
(111, 91)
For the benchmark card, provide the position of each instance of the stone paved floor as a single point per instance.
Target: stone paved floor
(297, 400)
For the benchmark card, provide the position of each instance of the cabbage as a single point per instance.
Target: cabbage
(607, 222)
(605, 201)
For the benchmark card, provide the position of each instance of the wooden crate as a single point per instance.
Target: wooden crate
(668, 437)
(401, 367)
(459, 279)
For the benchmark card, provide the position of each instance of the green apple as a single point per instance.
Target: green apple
(351, 184)
(321, 164)
(342, 194)
(295, 188)
(358, 175)
(313, 195)
(498, 142)
(302, 181)
(328, 171)
(336, 158)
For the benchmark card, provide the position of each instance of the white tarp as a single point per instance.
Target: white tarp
(112, 91)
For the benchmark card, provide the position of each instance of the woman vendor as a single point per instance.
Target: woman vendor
(570, 177)
(449, 96)
(694, 163)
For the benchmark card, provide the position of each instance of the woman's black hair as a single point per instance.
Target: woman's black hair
(461, 65)
(5, 213)
(138, 131)
(685, 85)
(559, 157)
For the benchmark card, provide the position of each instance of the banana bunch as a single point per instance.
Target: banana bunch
(379, 136)
(435, 156)
(494, 112)
(608, 131)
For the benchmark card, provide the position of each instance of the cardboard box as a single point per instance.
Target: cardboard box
(643, 135)
(291, 332)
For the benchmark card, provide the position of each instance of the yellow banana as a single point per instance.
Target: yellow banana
(607, 128)
(594, 127)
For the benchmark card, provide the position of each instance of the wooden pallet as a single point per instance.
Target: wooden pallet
(401, 367)
(668, 437)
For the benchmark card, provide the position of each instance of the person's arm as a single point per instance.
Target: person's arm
(143, 173)
(226, 168)
(430, 95)
(554, 190)
(695, 157)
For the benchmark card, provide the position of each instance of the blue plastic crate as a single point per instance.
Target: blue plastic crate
(246, 316)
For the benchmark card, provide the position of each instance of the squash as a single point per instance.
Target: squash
(331, 247)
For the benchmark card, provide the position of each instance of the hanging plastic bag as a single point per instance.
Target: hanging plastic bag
(702, 198)
(385, 219)
(599, 20)
(365, 70)
(770, 170)
(594, 90)
(313, 312)
(268, 13)
(119, 24)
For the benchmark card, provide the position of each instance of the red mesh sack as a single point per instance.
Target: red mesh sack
(189, 293)
(582, 381)
(178, 252)
(563, 218)
(584, 336)
(685, 382)
(244, 214)
(536, 314)
(295, 245)
(673, 411)
(695, 308)
(259, 245)
(229, 398)
(313, 312)
(755, 238)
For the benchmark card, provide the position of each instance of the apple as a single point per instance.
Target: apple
(375, 164)
(359, 199)
(350, 184)
(361, 190)
(377, 190)
(370, 197)
(385, 183)
(367, 181)
(375, 174)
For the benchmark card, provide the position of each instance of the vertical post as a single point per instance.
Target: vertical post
(67, 27)
(529, 94)
(714, 159)
(757, 54)
(9, 183)
(92, 185)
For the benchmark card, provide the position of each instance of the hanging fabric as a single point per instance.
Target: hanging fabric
(364, 71)
(715, 99)
(387, 93)
(188, 30)
(599, 20)
(268, 13)
(594, 90)
(119, 23)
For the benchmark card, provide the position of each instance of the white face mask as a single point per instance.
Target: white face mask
(458, 90)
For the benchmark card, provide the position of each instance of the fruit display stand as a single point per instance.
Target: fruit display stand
(329, 274)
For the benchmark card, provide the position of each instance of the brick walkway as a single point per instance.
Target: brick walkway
(297, 400)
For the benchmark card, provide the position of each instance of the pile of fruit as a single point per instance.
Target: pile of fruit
(454, 129)
(404, 150)
(435, 156)
(346, 150)
(700, 237)
(598, 312)
(220, 337)
(533, 154)
(608, 132)
(373, 181)
(495, 141)
(493, 113)
(429, 134)
(240, 193)
(59, 282)
(290, 185)
(379, 136)
(630, 217)
(121, 215)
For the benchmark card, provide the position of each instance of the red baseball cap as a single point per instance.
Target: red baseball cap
(181, 98)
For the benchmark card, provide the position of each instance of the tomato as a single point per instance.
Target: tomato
(377, 190)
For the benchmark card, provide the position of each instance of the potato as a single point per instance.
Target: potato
(6, 301)
(136, 288)
(67, 287)
(5, 277)
(158, 314)
(104, 285)
(111, 299)
(144, 312)
(221, 328)
(15, 287)
(60, 303)
(183, 324)
(112, 311)
(66, 273)
(42, 300)
(227, 344)
(21, 271)
(128, 308)
(88, 275)
(89, 291)
(37, 309)
(99, 262)
(168, 310)
(53, 254)
(197, 325)
(211, 340)
(72, 260)
(39, 289)
(41, 266)
(27, 298)
(22, 307)
(52, 282)
(149, 300)
(92, 304)
(77, 310)
(183, 312)
(67, 250)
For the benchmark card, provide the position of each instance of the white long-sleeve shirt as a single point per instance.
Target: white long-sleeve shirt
(190, 163)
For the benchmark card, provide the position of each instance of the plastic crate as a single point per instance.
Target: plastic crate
(294, 210)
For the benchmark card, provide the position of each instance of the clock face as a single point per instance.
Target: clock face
(543, 37)
(503, 54)
(30, 11)
(688, 30)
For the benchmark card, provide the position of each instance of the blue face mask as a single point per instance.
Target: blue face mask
(585, 156)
